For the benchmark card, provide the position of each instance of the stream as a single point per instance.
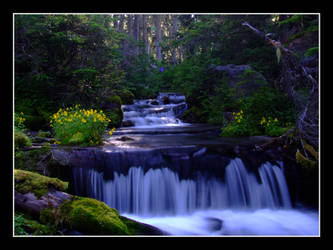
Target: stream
(180, 177)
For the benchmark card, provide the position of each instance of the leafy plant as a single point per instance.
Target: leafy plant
(77, 126)
(19, 223)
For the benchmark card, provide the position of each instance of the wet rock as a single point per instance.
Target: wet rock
(214, 224)
(127, 123)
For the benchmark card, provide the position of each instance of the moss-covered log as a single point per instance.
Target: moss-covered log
(43, 199)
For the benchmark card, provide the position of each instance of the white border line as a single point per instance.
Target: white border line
(181, 13)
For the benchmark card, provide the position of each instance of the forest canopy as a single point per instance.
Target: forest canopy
(92, 60)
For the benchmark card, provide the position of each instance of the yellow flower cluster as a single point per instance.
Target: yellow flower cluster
(238, 116)
(111, 131)
(268, 122)
(20, 118)
(78, 115)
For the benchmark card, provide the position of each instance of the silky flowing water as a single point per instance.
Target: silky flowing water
(239, 203)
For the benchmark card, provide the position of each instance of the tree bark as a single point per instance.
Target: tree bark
(173, 34)
(136, 32)
(157, 22)
(144, 34)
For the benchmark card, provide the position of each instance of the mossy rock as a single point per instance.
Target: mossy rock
(30, 159)
(21, 139)
(93, 217)
(86, 215)
(26, 181)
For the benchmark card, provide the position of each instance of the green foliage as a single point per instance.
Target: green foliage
(25, 226)
(267, 112)
(28, 160)
(61, 60)
(19, 121)
(21, 139)
(126, 96)
(311, 51)
(76, 126)
(44, 134)
(19, 223)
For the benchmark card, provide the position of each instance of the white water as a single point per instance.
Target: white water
(264, 222)
(144, 114)
(161, 192)
(239, 205)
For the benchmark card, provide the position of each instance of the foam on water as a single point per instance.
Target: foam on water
(264, 222)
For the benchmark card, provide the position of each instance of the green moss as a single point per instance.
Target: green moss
(86, 215)
(21, 140)
(26, 181)
(28, 160)
(95, 217)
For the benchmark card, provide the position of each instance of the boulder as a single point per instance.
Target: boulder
(243, 78)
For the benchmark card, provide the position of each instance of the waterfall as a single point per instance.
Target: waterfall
(159, 112)
(161, 192)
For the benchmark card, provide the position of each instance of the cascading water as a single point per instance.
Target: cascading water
(178, 198)
(161, 191)
(159, 112)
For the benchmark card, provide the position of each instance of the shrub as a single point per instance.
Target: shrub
(76, 126)
(24, 226)
(239, 127)
(20, 139)
(272, 127)
(244, 126)
(126, 96)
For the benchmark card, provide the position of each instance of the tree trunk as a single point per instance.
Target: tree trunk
(157, 22)
(144, 34)
(121, 23)
(136, 32)
(173, 34)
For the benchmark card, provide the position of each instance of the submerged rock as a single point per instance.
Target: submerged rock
(214, 224)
